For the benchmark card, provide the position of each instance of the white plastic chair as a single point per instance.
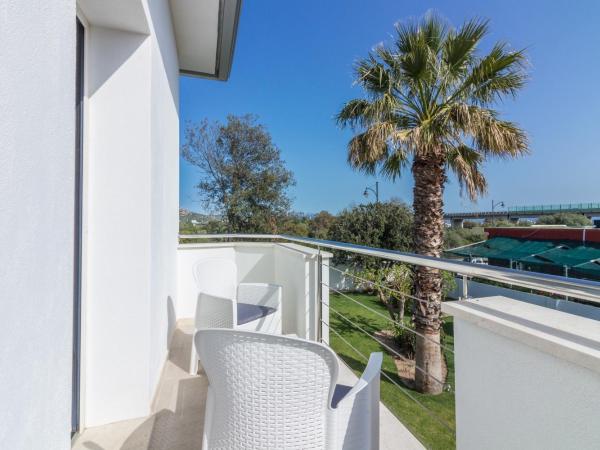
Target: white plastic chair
(222, 303)
(277, 392)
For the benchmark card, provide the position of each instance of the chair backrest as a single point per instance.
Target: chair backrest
(215, 312)
(216, 276)
(269, 391)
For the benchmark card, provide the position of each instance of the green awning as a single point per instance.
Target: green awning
(503, 248)
(588, 269)
(546, 256)
(564, 255)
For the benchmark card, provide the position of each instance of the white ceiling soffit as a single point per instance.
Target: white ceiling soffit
(205, 31)
(127, 15)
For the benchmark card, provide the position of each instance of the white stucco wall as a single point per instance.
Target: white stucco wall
(165, 185)
(131, 208)
(118, 183)
(526, 376)
(37, 150)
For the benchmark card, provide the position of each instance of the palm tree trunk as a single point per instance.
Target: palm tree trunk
(429, 175)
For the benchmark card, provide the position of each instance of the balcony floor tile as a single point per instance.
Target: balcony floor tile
(177, 417)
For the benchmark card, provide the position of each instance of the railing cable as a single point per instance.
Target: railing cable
(432, 414)
(395, 291)
(387, 347)
(401, 325)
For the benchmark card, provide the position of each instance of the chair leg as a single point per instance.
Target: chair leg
(193, 361)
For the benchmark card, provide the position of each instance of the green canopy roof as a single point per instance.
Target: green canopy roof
(590, 268)
(583, 260)
(564, 255)
(504, 248)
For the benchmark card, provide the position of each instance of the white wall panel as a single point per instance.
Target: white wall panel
(37, 186)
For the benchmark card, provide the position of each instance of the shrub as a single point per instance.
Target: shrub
(406, 340)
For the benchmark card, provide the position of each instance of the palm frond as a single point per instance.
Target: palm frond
(460, 45)
(361, 113)
(500, 73)
(373, 76)
(491, 135)
(466, 162)
(368, 148)
(433, 30)
(430, 95)
(394, 164)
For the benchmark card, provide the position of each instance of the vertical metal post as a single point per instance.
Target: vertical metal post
(566, 275)
(465, 287)
(319, 296)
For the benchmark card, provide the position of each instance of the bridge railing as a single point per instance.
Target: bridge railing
(562, 207)
(533, 209)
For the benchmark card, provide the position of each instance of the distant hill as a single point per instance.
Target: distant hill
(193, 218)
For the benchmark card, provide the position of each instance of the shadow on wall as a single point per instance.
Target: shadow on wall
(171, 320)
(111, 50)
(178, 418)
(159, 9)
(255, 265)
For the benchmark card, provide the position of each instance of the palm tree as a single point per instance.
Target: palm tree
(429, 103)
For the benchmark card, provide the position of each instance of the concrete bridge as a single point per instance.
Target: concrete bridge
(514, 213)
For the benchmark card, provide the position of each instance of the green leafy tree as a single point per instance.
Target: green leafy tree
(568, 219)
(295, 224)
(505, 223)
(393, 286)
(320, 224)
(429, 105)
(384, 225)
(242, 174)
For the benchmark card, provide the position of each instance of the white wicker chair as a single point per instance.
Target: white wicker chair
(222, 303)
(276, 392)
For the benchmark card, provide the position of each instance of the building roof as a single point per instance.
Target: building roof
(583, 259)
(205, 30)
(563, 255)
(556, 233)
(503, 248)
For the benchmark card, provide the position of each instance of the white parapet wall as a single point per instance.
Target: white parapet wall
(526, 376)
(292, 266)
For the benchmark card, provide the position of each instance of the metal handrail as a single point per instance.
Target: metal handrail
(553, 284)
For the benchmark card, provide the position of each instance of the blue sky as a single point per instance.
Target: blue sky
(293, 68)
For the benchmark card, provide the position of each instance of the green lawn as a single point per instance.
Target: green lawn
(426, 428)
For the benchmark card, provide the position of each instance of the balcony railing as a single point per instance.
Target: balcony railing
(551, 284)
(328, 314)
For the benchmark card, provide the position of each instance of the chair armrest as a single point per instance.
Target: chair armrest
(214, 312)
(357, 413)
(263, 294)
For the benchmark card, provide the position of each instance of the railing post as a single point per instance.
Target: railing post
(465, 287)
(319, 296)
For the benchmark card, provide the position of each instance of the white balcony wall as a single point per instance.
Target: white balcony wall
(165, 185)
(130, 206)
(526, 376)
(37, 160)
(477, 289)
(294, 267)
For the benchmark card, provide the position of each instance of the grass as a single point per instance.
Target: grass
(420, 422)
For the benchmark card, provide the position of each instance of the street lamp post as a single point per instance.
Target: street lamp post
(374, 191)
(494, 205)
